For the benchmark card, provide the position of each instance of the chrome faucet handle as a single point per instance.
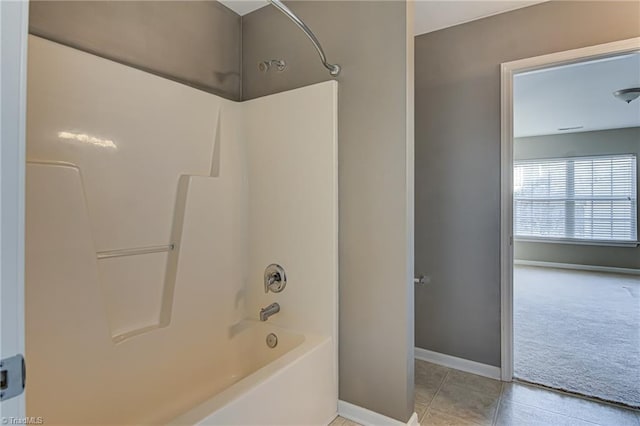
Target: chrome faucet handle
(275, 279)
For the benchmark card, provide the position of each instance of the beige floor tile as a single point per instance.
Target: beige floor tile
(513, 414)
(424, 395)
(568, 405)
(464, 403)
(429, 375)
(436, 418)
(338, 421)
(474, 382)
(428, 378)
(420, 409)
(425, 368)
(341, 421)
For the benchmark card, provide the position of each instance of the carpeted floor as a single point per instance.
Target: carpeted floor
(578, 331)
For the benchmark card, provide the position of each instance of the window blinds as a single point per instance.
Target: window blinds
(577, 198)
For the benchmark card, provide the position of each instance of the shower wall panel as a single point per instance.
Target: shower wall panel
(121, 160)
(293, 204)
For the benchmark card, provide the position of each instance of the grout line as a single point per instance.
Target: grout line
(434, 396)
(495, 415)
(444, 379)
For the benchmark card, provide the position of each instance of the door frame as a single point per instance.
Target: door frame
(14, 21)
(507, 71)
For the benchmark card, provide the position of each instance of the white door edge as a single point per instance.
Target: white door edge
(13, 77)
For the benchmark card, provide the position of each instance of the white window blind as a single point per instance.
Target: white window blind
(579, 198)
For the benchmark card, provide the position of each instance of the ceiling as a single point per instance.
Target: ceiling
(436, 15)
(577, 95)
(242, 7)
(429, 15)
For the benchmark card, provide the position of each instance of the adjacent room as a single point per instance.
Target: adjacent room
(577, 261)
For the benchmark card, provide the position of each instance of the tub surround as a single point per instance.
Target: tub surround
(205, 45)
(120, 159)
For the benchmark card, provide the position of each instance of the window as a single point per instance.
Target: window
(590, 199)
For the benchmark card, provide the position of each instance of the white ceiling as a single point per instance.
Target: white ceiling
(436, 15)
(242, 7)
(430, 15)
(576, 95)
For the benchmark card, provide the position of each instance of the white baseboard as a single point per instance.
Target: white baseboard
(370, 418)
(413, 421)
(458, 363)
(593, 268)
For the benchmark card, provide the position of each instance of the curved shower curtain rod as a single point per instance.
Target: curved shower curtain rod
(334, 69)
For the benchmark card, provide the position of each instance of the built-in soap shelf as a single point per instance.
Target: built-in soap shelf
(166, 286)
(170, 265)
(134, 251)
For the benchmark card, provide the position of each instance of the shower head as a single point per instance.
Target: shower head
(265, 66)
(334, 69)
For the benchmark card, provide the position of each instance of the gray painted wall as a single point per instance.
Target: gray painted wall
(193, 42)
(458, 160)
(619, 141)
(369, 40)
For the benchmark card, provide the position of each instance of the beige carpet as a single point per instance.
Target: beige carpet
(578, 331)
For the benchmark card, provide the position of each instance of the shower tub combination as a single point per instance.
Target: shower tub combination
(152, 211)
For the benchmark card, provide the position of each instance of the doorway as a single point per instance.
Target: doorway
(570, 256)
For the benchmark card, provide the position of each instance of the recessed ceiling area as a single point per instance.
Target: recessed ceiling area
(429, 15)
(577, 97)
(436, 15)
(242, 7)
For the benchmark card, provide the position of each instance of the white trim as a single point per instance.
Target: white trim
(413, 420)
(506, 223)
(14, 19)
(576, 242)
(507, 70)
(370, 418)
(458, 363)
(575, 266)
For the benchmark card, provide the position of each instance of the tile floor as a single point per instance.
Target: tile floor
(445, 396)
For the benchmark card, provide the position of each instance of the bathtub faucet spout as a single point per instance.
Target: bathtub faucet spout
(272, 309)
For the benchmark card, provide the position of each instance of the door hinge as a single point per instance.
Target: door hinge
(13, 373)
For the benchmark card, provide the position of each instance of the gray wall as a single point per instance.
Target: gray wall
(193, 42)
(369, 40)
(458, 160)
(619, 141)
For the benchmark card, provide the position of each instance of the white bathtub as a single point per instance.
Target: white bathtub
(294, 383)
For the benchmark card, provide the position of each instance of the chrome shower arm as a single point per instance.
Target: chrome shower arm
(334, 69)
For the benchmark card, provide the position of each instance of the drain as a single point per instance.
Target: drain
(272, 340)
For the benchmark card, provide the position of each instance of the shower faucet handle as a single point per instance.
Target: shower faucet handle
(275, 279)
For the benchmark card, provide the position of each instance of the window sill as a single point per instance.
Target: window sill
(577, 242)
